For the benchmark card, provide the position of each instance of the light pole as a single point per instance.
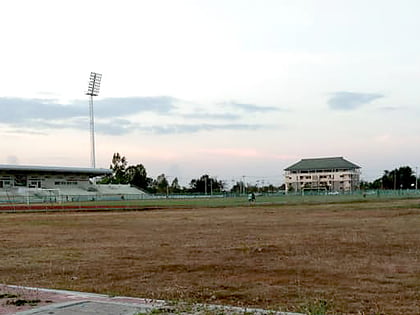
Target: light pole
(205, 185)
(167, 186)
(93, 90)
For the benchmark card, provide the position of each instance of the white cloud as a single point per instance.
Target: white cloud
(351, 100)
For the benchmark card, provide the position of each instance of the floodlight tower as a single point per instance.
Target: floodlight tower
(93, 90)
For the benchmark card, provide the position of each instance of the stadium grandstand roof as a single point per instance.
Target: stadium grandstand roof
(322, 164)
(54, 169)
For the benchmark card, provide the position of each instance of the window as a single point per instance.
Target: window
(65, 183)
(5, 183)
(20, 180)
(35, 184)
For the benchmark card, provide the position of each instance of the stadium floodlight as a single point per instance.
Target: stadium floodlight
(93, 90)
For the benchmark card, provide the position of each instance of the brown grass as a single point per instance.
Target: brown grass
(360, 258)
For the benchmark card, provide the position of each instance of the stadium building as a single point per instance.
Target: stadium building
(333, 174)
(19, 183)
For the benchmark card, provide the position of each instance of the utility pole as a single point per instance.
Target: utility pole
(205, 185)
(395, 179)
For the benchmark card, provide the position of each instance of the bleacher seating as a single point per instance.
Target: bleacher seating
(71, 193)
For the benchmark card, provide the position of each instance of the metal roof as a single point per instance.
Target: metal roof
(322, 164)
(54, 169)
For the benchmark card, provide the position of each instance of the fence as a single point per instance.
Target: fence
(227, 199)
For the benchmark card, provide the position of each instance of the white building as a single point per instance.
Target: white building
(329, 174)
(47, 177)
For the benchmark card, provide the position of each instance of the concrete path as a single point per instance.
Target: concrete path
(30, 301)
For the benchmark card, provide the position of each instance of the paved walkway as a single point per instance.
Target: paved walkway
(30, 301)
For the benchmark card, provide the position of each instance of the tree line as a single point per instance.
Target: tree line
(136, 175)
(399, 178)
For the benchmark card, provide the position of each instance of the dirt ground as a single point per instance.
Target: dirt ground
(354, 258)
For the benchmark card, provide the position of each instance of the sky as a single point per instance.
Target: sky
(232, 88)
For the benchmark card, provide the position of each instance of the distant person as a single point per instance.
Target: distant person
(251, 197)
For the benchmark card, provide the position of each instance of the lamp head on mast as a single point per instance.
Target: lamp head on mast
(94, 84)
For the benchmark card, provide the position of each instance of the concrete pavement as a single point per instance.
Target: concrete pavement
(62, 302)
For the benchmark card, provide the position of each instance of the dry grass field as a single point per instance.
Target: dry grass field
(348, 258)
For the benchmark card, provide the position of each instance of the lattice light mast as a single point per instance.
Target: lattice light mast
(93, 90)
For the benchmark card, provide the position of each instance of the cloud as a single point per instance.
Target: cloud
(171, 129)
(251, 108)
(112, 115)
(20, 110)
(116, 127)
(351, 100)
(16, 130)
(111, 107)
(211, 116)
(248, 152)
(121, 128)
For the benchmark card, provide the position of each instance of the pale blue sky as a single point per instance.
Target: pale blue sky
(228, 88)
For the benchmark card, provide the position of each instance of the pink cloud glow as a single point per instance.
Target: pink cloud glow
(247, 153)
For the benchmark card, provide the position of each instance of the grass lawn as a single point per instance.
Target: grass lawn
(358, 257)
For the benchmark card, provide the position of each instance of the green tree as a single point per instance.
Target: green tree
(238, 187)
(401, 178)
(118, 167)
(136, 175)
(251, 188)
(161, 184)
(206, 184)
(365, 185)
(175, 187)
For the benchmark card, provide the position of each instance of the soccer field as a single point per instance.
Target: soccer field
(147, 202)
(355, 257)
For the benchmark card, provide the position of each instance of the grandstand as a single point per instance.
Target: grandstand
(32, 184)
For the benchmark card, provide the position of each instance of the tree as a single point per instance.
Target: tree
(206, 184)
(238, 187)
(251, 188)
(175, 187)
(401, 178)
(365, 185)
(136, 175)
(161, 184)
(118, 167)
